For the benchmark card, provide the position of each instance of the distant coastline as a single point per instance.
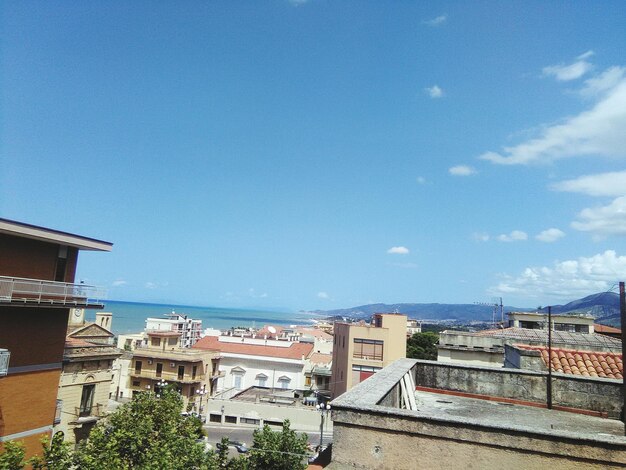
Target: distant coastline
(130, 317)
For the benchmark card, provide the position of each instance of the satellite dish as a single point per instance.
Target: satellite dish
(271, 329)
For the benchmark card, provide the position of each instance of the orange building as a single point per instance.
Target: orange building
(37, 290)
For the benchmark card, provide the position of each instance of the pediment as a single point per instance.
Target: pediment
(89, 331)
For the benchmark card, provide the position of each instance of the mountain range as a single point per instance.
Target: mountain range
(603, 306)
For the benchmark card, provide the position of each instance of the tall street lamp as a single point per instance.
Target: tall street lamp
(324, 410)
(160, 386)
(201, 392)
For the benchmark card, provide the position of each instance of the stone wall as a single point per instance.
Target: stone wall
(372, 432)
(586, 393)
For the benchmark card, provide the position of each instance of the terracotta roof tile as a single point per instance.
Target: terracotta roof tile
(295, 351)
(585, 363)
(321, 358)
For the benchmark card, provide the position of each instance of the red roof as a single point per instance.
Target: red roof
(321, 358)
(586, 363)
(605, 329)
(295, 351)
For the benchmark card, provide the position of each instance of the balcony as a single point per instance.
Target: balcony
(89, 415)
(21, 291)
(167, 376)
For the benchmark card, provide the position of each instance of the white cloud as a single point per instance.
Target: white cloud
(398, 250)
(572, 71)
(599, 131)
(421, 180)
(119, 283)
(550, 235)
(481, 237)
(604, 220)
(323, 295)
(566, 279)
(605, 81)
(601, 184)
(437, 21)
(434, 91)
(150, 285)
(514, 236)
(461, 170)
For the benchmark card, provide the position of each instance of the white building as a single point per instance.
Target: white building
(248, 362)
(189, 329)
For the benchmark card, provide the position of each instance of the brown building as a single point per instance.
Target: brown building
(359, 350)
(192, 371)
(37, 290)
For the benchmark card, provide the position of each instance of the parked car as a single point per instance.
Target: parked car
(240, 446)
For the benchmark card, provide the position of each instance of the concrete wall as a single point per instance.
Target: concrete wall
(365, 442)
(601, 395)
(371, 432)
(301, 418)
(472, 356)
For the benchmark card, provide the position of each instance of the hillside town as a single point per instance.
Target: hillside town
(534, 390)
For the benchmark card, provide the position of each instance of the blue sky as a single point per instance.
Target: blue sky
(322, 154)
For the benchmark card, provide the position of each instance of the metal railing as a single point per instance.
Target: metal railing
(22, 290)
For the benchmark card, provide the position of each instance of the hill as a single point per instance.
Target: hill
(603, 306)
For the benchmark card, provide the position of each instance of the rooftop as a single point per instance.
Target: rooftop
(558, 337)
(20, 229)
(295, 351)
(585, 363)
(389, 419)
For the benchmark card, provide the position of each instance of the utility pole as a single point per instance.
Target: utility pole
(549, 384)
(622, 311)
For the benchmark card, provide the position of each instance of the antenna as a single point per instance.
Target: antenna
(495, 303)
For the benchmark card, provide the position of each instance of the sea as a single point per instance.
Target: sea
(130, 317)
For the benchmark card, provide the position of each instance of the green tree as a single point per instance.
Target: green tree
(12, 458)
(278, 450)
(55, 456)
(422, 346)
(147, 433)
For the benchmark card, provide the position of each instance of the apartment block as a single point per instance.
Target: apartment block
(360, 350)
(193, 372)
(37, 291)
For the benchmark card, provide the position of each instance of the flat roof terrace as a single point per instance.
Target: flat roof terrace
(383, 422)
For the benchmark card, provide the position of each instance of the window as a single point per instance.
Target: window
(213, 418)
(181, 372)
(159, 369)
(155, 342)
(284, 382)
(137, 367)
(172, 341)
(307, 381)
(230, 419)
(194, 370)
(371, 349)
(360, 373)
(136, 383)
(261, 380)
(249, 421)
(237, 381)
(86, 399)
(59, 274)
